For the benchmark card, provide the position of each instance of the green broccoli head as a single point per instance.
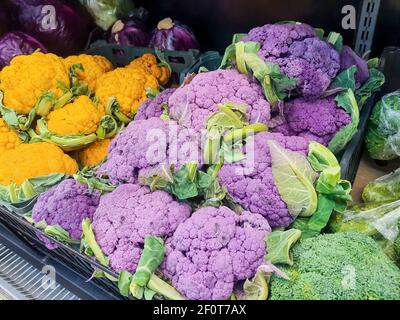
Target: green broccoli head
(339, 266)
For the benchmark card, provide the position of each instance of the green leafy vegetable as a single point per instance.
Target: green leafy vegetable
(230, 51)
(144, 283)
(108, 127)
(294, 178)
(279, 244)
(14, 194)
(333, 193)
(55, 231)
(106, 12)
(276, 85)
(348, 102)
(124, 282)
(345, 79)
(153, 255)
(373, 84)
(90, 241)
(373, 63)
(258, 287)
(227, 129)
(336, 39)
(382, 137)
(320, 33)
(94, 181)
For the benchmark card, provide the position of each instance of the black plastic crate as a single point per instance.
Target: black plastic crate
(64, 253)
(120, 56)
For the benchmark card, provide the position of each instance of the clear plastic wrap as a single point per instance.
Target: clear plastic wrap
(383, 134)
(384, 189)
(382, 219)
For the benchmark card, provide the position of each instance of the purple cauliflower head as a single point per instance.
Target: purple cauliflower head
(152, 108)
(300, 54)
(145, 145)
(317, 120)
(250, 182)
(192, 104)
(349, 58)
(214, 249)
(65, 204)
(130, 213)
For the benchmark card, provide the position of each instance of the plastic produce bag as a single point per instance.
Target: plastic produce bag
(383, 189)
(383, 134)
(381, 220)
(378, 217)
(106, 12)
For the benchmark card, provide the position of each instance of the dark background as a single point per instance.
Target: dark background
(215, 21)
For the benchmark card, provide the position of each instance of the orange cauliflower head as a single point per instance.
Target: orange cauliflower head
(81, 117)
(128, 86)
(28, 77)
(33, 160)
(93, 154)
(148, 62)
(94, 67)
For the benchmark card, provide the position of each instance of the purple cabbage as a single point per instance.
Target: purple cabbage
(129, 32)
(62, 28)
(172, 35)
(17, 43)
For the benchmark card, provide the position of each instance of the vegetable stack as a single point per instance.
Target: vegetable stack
(223, 188)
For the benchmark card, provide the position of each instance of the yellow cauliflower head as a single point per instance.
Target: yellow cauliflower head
(28, 77)
(81, 117)
(148, 62)
(93, 154)
(9, 139)
(128, 86)
(94, 67)
(33, 160)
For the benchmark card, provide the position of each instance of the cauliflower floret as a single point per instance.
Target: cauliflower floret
(94, 67)
(148, 62)
(193, 103)
(317, 120)
(129, 214)
(152, 108)
(255, 190)
(65, 204)
(9, 139)
(93, 154)
(212, 250)
(299, 53)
